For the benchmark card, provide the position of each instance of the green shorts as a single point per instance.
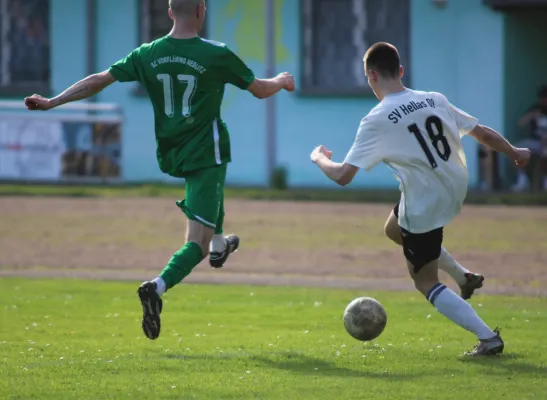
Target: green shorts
(204, 200)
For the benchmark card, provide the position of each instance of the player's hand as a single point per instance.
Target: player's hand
(288, 81)
(521, 156)
(320, 151)
(37, 102)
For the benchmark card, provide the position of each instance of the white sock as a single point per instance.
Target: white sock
(161, 287)
(218, 244)
(458, 311)
(451, 266)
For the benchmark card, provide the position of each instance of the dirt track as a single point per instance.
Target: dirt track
(308, 244)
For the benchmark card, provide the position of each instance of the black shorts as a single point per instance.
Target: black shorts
(420, 248)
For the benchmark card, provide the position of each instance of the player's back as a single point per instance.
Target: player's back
(185, 81)
(423, 148)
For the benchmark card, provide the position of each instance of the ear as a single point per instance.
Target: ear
(373, 75)
(401, 71)
(171, 14)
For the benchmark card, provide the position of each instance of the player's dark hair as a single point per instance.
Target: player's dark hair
(383, 58)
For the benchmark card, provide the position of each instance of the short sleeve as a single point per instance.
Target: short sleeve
(234, 71)
(367, 151)
(465, 122)
(126, 69)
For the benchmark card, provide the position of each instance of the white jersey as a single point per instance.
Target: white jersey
(418, 136)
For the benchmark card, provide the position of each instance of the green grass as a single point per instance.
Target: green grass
(64, 339)
(310, 194)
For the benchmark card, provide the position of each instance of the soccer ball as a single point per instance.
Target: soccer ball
(365, 318)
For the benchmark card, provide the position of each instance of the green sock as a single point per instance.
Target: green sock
(181, 264)
(220, 219)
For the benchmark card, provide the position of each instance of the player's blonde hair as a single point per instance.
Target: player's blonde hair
(184, 8)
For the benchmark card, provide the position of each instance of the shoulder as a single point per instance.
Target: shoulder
(377, 115)
(219, 50)
(379, 110)
(372, 124)
(214, 43)
(145, 48)
(438, 97)
(148, 45)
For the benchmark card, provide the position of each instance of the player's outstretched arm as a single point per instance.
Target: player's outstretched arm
(492, 139)
(264, 88)
(341, 173)
(83, 89)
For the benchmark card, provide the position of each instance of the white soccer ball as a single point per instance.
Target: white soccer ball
(365, 318)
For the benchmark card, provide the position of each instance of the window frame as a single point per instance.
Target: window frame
(15, 89)
(314, 91)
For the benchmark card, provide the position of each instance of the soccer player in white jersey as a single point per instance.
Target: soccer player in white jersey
(418, 136)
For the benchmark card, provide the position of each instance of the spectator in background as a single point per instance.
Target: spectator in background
(536, 120)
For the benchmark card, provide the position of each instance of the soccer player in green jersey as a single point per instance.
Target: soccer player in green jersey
(184, 76)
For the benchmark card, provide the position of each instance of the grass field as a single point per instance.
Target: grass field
(79, 339)
(63, 339)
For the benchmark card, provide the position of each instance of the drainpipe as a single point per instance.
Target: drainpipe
(271, 123)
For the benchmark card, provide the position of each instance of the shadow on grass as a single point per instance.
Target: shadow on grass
(302, 365)
(510, 363)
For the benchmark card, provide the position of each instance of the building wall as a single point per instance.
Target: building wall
(457, 50)
(68, 52)
(525, 61)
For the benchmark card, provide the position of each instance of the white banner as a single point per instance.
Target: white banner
(31, 149)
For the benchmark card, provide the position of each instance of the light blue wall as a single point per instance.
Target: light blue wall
(457, 50)
(68, 51)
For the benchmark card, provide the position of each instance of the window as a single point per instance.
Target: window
(336, 35)
(155, 21)
(24, 46)
(508, 4)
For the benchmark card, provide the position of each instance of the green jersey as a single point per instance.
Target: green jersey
(185, 81)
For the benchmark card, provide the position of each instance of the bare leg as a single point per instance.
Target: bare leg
(446, 262)
(196, 248)
(467, 280)
(447, 302)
